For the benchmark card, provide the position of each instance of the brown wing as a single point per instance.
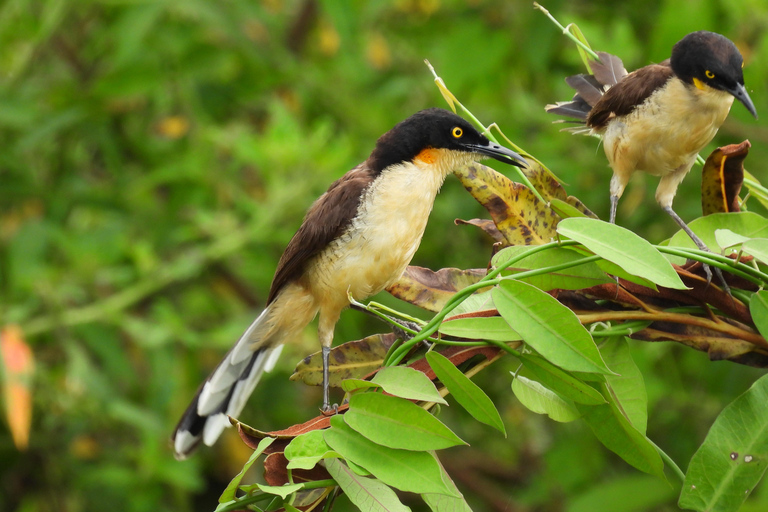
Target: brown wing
(326, 219)
(622, 98)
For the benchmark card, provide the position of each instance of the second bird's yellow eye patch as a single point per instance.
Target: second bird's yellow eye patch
(709, 74)
(457, 132)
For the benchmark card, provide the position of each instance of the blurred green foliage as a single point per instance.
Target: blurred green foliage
(157, 156)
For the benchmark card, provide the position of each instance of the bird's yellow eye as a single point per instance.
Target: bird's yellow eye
(457, 132)
(709, 74)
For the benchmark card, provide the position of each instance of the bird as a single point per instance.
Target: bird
(659, 117)
(355, 240)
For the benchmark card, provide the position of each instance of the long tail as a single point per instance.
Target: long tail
(608, 71)
(227, 389)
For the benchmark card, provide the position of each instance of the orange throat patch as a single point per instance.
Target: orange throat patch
(428, 155)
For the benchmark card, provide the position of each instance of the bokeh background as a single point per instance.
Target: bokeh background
(156, 157)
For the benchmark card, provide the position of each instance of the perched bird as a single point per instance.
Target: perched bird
(356, 239)
(657, 118)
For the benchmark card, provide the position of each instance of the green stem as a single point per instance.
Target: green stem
(671, 463)
(717, 260)
(566, 31)
(239, 504)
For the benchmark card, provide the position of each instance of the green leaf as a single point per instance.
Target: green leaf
(622, 247)
(283, 490)
(628, 387)
(492, 328)
(564, 209)
(733, 457)
(229, 493)
(406, 470)
(757, 247)
(467, 393)
(350, 385)
(617, 434)
(305, 450)
(480, 301)
(365, 493)
(408, 383)
(576, 277)
(747, 224)
(550, 328)
(758, 308)
(624, 493)
(726, 238)
(541, 400)
(561, 381)
(444, 503)
(397, 423)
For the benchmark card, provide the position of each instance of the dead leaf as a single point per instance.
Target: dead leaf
(19, 366)
(353, 359)
(722, 177)
(485, 224)
(431, 290)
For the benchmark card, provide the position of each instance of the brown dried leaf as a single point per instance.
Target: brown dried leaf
(354, 359)
(276, 471)
(485, 224)
(431, 290)
(722, 177)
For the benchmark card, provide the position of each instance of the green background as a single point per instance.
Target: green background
(156, 157)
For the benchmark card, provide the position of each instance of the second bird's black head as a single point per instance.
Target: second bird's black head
(438, 129)
(708, 59)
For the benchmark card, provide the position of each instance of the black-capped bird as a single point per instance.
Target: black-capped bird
(356, 239)
(657, 118)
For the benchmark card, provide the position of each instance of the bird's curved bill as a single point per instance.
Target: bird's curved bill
(740, 93)
(498, 152)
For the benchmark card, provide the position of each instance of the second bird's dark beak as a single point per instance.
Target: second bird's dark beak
(740, 93)
(500, 153)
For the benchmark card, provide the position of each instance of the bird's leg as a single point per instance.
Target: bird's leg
(326, 377)
(614, 205)
(701, 245)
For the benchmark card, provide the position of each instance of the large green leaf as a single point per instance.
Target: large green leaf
(406, 470)
(628, 387)
(575, 277)
(466, 392)
(365, 493)
(398, 423)
(548, 326)
(622, 247)
(747, 224)
(733, 457)
(562, 382)
(493, 328)
(445, 503)
(615, 431)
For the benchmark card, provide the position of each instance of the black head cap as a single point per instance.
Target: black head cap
(713, 60)
(439, 129)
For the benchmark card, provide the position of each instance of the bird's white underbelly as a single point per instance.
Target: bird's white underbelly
(665, 133)
(382, 238)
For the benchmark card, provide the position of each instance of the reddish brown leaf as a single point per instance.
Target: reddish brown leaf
(486, 225)
(722, 177)
(276, 471)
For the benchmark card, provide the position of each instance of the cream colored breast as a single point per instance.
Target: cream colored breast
(668, 130)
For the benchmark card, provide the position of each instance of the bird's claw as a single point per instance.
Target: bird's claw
(329, 410)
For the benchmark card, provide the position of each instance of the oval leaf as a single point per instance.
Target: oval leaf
(758, 308)
(541, 400)
(365, 493)
(466, 392)
(407, 383)
(561, 382)
(492, 328)
(304, 451)
(548, 326)
(406, 470)
(397, 423)
(734, 455)
(622, 247)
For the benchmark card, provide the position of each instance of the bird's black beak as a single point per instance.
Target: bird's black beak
(500, 153)
(740, 93)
